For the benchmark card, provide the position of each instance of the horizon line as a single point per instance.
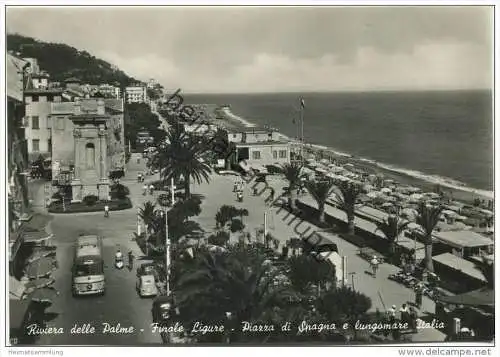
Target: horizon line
(342, 91)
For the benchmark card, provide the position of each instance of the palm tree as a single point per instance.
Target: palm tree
(320, 191)
(347, 193)
(147, 214)
(183, 157)
(293, 174)
(391, 228)
(223, 283)
(306, 270)
(428, 218)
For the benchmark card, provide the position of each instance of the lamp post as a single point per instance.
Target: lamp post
(352, 279)
(138, 222)
(167, 255)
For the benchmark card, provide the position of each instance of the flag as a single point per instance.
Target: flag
(302, 103)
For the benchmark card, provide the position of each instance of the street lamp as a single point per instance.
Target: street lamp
(167, 255)
(352, 279)
(139, 222)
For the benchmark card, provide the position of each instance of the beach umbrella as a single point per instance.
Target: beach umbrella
(413, 226)
(373, 194)
(41, 268)
(416, 197)
(387, 204)
(386, 190)
(38, 284)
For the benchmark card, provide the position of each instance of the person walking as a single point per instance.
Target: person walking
(418, 295)
(404, 314)
(106, 210)
(151, 189)
(130, 260)
(145, 189)
(374, 263)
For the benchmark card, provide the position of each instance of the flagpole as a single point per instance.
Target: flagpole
(302, 130)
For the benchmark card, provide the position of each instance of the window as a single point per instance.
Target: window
(35, 122)
(256, 155)
(282, 154)
(90, 155)
(34, 98)
(275, 154)
(36, 145)
(49, 123)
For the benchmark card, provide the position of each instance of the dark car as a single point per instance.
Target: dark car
(148, 269)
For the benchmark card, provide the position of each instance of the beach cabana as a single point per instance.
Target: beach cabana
(373, 194)
(386, 190)
(321, 170)
(416, 197)
(461, 266)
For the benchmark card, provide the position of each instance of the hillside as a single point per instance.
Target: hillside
(62, 61)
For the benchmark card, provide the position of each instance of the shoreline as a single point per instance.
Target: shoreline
(459, 190)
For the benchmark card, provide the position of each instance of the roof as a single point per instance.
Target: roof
(14, 72)
(114, 104)
(43, 91)
(148, 279)
(459, 264)
(463, 239)
(90, 239)
(480, 297)
(72, 80)
(81, 260)
(263, 143)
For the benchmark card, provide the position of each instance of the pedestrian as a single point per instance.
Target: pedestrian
(106, 210)
(418, 295)
(151, 189)
(391, 314)
(130, 260)
(374, 265)
(139, 177)
(145, 189)
(413, 316)
(272, 195)
(404, 314)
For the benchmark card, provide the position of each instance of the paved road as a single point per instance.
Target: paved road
(382, 291)
(121, 304)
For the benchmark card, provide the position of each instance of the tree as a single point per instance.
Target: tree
(428, 218)
(148, 215)
(306, 270)
(343, 305)
(487, 268)
(293, 174)
(320, 191)
(219, 285)
(225, 214)
(182, 157)
(391, 228)
(236, 226)
(220, 238)
(119, 191)
(347, 193)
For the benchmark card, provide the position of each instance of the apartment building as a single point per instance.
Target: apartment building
(109, 91)
(136, 94)
(37, 123)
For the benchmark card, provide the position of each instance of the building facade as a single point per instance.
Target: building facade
(136, 94)
(259, 147)
(63, 141)
(110, 91)
(37, 121)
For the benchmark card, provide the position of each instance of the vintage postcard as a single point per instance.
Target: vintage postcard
(250, 175)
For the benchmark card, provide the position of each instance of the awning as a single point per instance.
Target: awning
(32, 285)
(41, 268)
(36, 236)
(461, 265)
(16, 288)
(44, 295)
(17, 313)
(41, 253)
(480, 297)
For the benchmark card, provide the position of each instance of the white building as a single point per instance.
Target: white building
(136, 94)
(110, 91)
(152, 83)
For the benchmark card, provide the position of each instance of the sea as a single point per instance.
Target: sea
(438, 135)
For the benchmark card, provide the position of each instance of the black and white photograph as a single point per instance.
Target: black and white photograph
(254, 175)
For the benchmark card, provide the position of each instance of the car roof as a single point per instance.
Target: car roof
(147, 278)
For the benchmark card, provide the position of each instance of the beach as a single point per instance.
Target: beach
(427, 183)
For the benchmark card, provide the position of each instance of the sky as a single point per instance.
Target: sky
(279, 49)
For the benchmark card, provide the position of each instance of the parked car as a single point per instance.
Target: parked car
(146, 286)
(148, 269)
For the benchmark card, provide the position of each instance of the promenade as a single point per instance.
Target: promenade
(383, 292)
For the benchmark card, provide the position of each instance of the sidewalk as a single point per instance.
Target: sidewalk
(383, 292)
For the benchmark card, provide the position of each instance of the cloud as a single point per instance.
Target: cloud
(276, 49)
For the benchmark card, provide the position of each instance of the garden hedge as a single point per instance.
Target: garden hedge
(79, 207)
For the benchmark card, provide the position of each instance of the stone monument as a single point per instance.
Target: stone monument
(90, 137)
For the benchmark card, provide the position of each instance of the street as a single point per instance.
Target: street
(121, 304)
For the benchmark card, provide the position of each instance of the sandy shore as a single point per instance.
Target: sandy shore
(420, 180)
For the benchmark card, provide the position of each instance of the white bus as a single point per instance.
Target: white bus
(88, 267)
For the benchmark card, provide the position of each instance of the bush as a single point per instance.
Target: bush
(220, 239)
(163, 200)
(79, 207)
(57, 196)
(119, 191)
(90, 200)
